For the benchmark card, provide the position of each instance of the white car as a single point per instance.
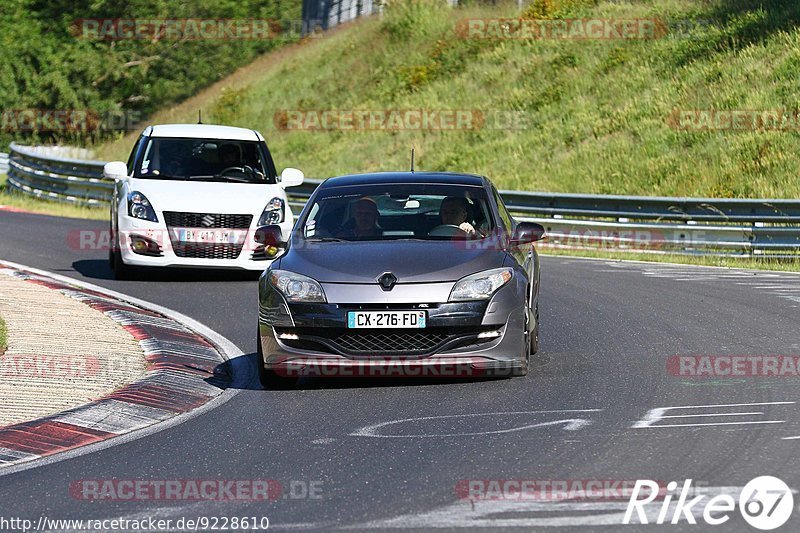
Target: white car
(193, 195)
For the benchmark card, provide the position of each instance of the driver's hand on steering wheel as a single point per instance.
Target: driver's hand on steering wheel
(467, 228)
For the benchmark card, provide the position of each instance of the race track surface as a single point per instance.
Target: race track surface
(607, 331)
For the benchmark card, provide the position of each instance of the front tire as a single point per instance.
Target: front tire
(526, 351)
(534, 339)
(121, 270)
(268, 378)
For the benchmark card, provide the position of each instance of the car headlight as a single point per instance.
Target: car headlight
(139, 207)
(273, 213)
(296, 287)
(480, 286)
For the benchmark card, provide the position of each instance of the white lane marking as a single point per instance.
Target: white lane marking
(781, 284)
(501, 513)
(719, 424)
(658, 414)
(226, 348)
(712, 414)
(570, 424)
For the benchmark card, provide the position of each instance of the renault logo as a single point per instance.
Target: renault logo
(387, 281)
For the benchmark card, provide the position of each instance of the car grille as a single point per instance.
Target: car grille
(390, 343)
(207, 220)
(205, 250)
(381, 343)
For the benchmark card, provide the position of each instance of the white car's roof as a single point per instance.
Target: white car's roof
(203, 131)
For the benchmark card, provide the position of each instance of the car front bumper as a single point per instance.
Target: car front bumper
(463, 339)
(250, 256)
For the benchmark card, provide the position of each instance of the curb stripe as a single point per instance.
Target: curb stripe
(184, 371)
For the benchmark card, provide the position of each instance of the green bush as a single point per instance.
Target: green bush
(45, 65)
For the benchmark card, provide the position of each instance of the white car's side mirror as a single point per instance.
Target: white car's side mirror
(291, 177)
(115, 170)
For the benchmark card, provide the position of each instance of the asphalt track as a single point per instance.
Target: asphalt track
(607, 330)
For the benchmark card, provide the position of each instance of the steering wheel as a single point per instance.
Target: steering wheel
(243, 170)
(447, 230)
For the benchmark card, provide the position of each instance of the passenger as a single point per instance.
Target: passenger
(364, 222)
(229, 155)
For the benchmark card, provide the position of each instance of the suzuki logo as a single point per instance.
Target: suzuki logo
(387, 281)
(207, 221)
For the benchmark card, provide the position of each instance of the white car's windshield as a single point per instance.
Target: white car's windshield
(204, 160)
(399, 211)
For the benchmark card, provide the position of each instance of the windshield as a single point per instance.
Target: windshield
(399, 211)
(205, 160)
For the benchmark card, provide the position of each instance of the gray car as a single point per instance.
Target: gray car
(400, 274)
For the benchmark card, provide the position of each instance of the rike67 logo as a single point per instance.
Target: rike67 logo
(765, 503)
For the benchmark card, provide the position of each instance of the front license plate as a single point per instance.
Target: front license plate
(207, 236)
(386, 319)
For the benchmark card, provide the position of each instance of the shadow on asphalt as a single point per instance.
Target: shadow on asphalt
(242, 373)
(100, 269)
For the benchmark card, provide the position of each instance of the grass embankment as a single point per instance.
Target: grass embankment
(596, 112)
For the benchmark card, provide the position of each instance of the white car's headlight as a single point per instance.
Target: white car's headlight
(139, 207)
(480, 286)
(273, 213)
(296, 287)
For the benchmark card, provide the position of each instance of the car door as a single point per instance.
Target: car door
(526, 254)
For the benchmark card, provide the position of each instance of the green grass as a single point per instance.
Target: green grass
(597, 112)
(3, 336)
(47, 207)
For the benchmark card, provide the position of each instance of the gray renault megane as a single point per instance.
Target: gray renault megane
(400, 274)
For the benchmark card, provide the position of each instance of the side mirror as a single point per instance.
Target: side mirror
(291, 177)
(271, 235)
(527, 232)
(115, 170)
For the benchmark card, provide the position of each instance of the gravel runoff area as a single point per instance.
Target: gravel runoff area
(61, 352)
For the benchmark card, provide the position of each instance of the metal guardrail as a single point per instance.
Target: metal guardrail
(573, 221)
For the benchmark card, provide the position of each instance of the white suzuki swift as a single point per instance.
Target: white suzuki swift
(192, 195)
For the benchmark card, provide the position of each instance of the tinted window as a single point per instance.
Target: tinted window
(205, 160)
(399, 211)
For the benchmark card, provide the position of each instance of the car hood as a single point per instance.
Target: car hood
(206, 197)
(409, 261)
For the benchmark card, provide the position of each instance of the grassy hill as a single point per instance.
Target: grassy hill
(596, 112)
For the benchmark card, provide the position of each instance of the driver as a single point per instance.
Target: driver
(364, 222)
(453, 212)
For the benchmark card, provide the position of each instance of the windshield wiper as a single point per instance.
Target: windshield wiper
(221, 177)
(326, 239)
(161, 177)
